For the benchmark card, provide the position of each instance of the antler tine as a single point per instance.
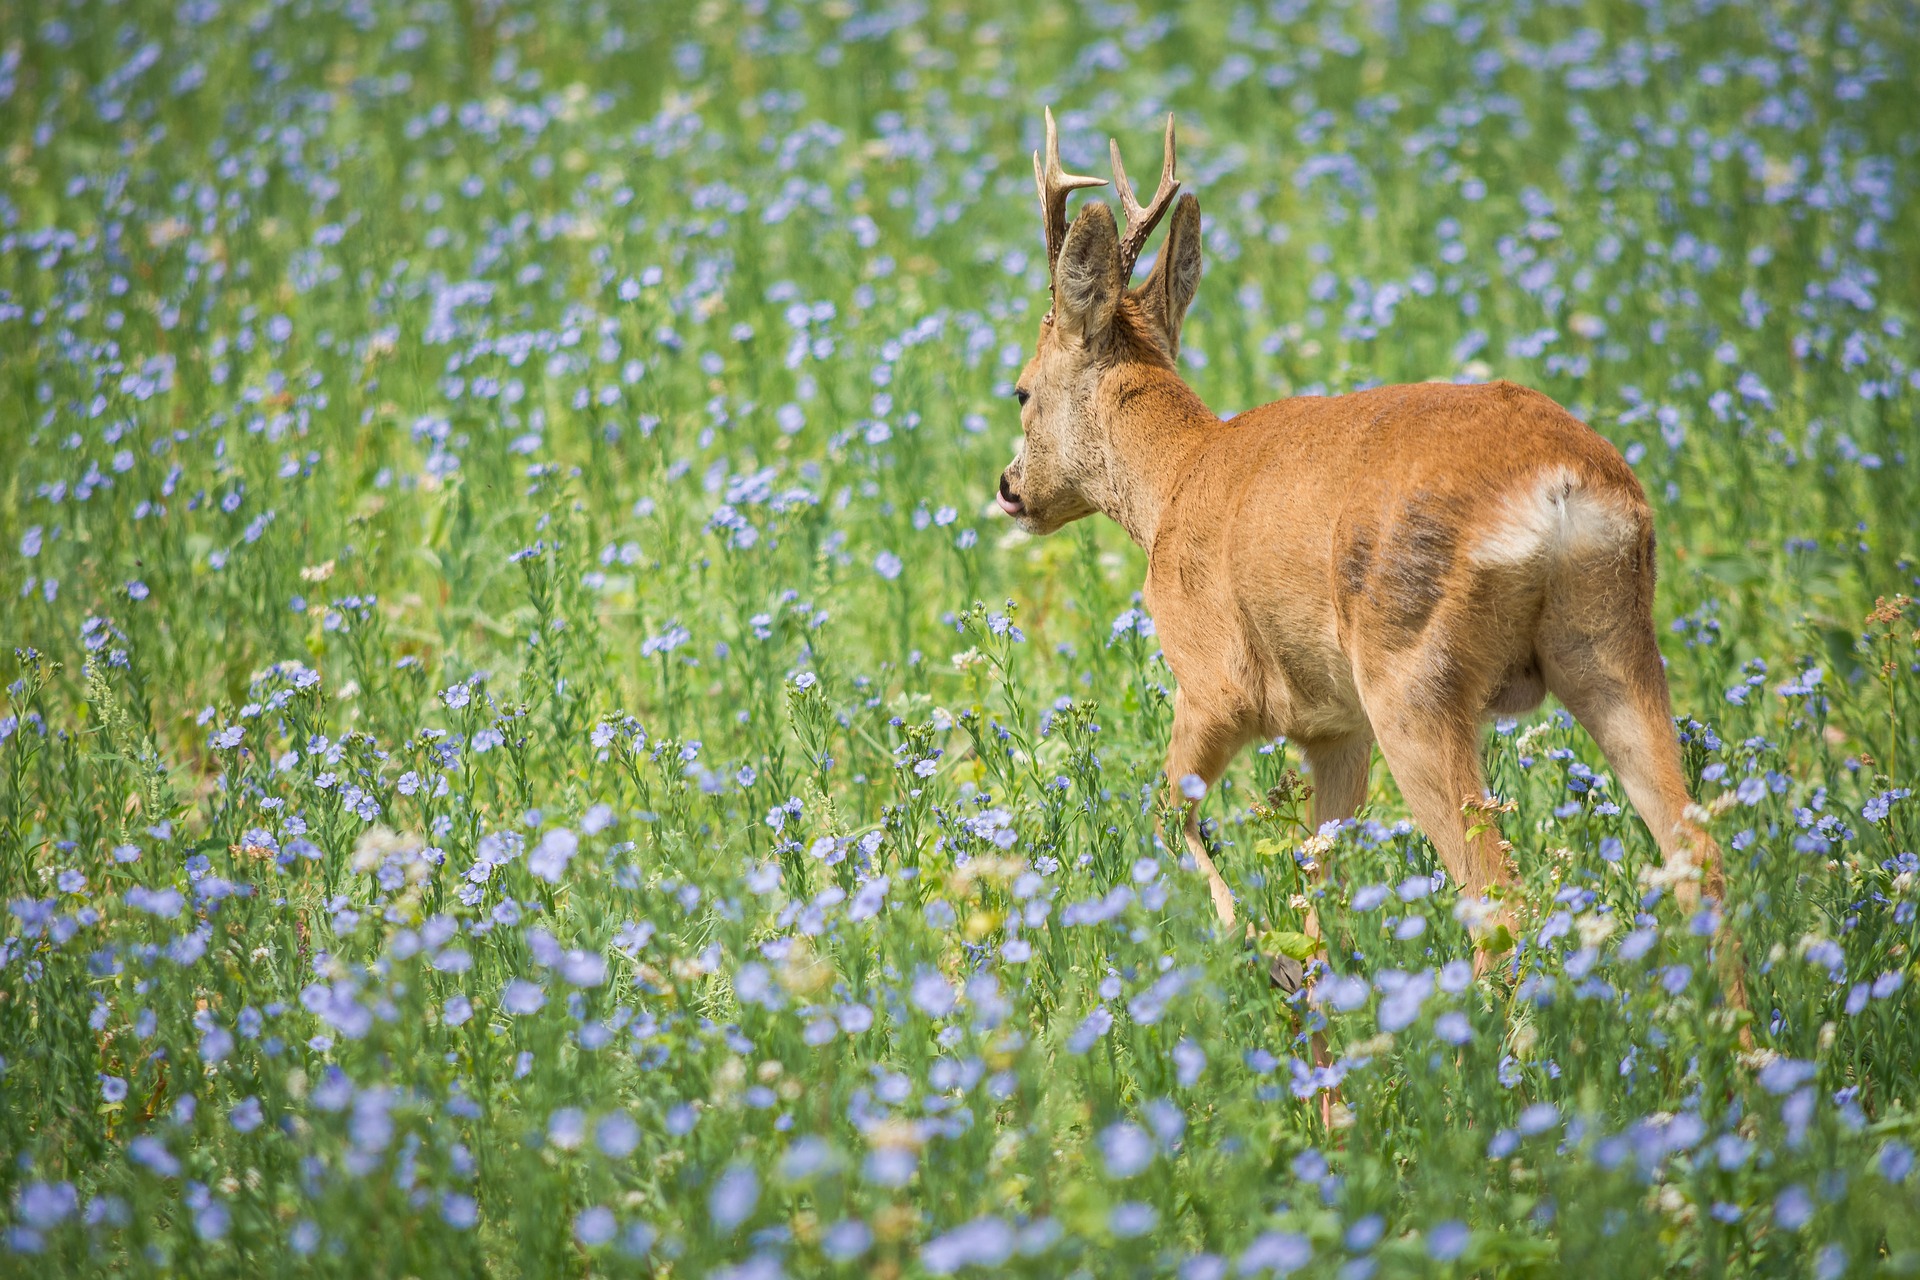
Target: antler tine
(1055, 185)
(1141, 222)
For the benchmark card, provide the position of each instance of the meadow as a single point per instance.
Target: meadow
(527, 750)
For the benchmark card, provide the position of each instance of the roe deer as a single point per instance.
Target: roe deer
(1395, 565)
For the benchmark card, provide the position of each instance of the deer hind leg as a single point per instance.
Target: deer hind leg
(1601, 660)
(1606, 670)
(1339, 777)
(1339, 785)
(1203, 745)
(1428, 725)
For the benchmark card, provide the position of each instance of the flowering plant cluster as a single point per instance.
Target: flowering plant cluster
(525, 751)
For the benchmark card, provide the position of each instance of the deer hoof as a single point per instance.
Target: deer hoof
(1286, 974)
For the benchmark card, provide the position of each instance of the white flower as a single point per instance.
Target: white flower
(1595, 929)
(1475, 913)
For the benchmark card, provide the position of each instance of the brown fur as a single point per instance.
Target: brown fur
(1392, 566)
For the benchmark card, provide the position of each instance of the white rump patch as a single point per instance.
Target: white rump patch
(1554, 516)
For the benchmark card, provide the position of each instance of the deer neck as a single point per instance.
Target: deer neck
(1152, 423)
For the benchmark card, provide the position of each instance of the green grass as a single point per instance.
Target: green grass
(529, 754)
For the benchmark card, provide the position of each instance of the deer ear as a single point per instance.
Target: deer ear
(1086, 280)
(1175, 277)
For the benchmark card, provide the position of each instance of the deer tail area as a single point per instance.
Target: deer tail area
(1559, 519)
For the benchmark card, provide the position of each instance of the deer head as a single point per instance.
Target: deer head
(1097, 324)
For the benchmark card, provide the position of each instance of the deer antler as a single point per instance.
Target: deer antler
(1141, 222)
(1056, 184)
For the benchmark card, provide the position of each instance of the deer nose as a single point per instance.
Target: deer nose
(1009, 500)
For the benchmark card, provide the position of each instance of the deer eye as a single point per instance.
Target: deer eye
(1021, 394)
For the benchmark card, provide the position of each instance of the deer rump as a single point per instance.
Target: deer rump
(1322, 538)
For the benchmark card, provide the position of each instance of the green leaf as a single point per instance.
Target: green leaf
(1498, 940)
(1289, 943)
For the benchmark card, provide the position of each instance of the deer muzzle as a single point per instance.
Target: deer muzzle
(1009, 500)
